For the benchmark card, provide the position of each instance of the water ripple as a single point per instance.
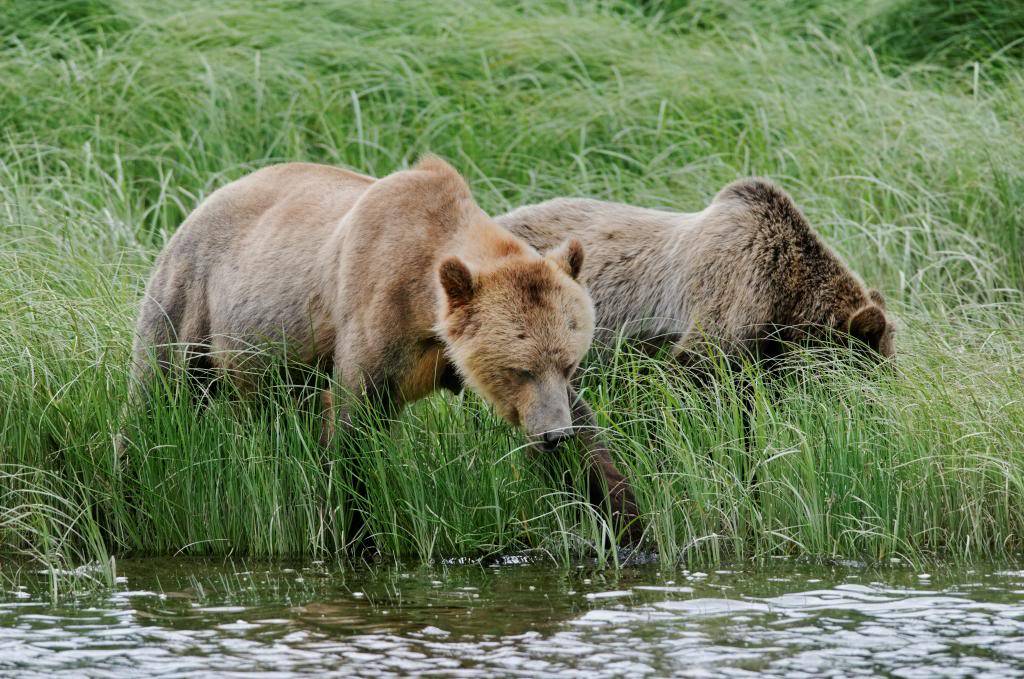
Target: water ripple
(524, 620)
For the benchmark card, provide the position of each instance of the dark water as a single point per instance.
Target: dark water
(191, 618)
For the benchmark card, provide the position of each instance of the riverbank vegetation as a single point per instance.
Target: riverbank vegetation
(896, 126)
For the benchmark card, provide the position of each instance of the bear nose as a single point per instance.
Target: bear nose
(553, 439)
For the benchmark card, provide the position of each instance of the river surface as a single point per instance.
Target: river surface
(193, 618)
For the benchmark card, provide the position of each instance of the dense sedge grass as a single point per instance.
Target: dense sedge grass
(117, 118)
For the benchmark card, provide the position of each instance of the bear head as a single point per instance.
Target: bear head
(870, 327)
(516, 332)
(842, 310)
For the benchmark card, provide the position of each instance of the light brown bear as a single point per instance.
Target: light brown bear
(399, 285)
(747, 273)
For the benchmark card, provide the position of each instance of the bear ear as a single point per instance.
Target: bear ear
(457, 281)
(868, 325)
(569, 257)
(876, 297)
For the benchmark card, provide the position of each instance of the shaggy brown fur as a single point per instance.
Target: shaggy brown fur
(748, 272)
(400, 285)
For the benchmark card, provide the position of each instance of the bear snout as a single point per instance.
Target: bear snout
(550, 440)
(547, 420)
(550, 428)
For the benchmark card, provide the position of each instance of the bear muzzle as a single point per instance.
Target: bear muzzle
(550, 440)
(549, 422)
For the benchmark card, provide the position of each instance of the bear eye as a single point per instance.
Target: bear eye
(521, 375)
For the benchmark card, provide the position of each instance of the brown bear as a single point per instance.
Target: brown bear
(398, 285)
(747, 273)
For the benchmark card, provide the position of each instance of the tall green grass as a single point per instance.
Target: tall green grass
(118, 117)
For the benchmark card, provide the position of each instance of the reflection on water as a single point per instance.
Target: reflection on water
(187, 617)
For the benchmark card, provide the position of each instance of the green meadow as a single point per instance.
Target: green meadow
(895, 124)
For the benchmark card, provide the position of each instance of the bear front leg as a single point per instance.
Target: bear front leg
(605, 483)
(354, 396)
(351, 392)
(328, 417)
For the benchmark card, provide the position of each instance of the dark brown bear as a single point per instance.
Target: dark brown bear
(748, 273)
